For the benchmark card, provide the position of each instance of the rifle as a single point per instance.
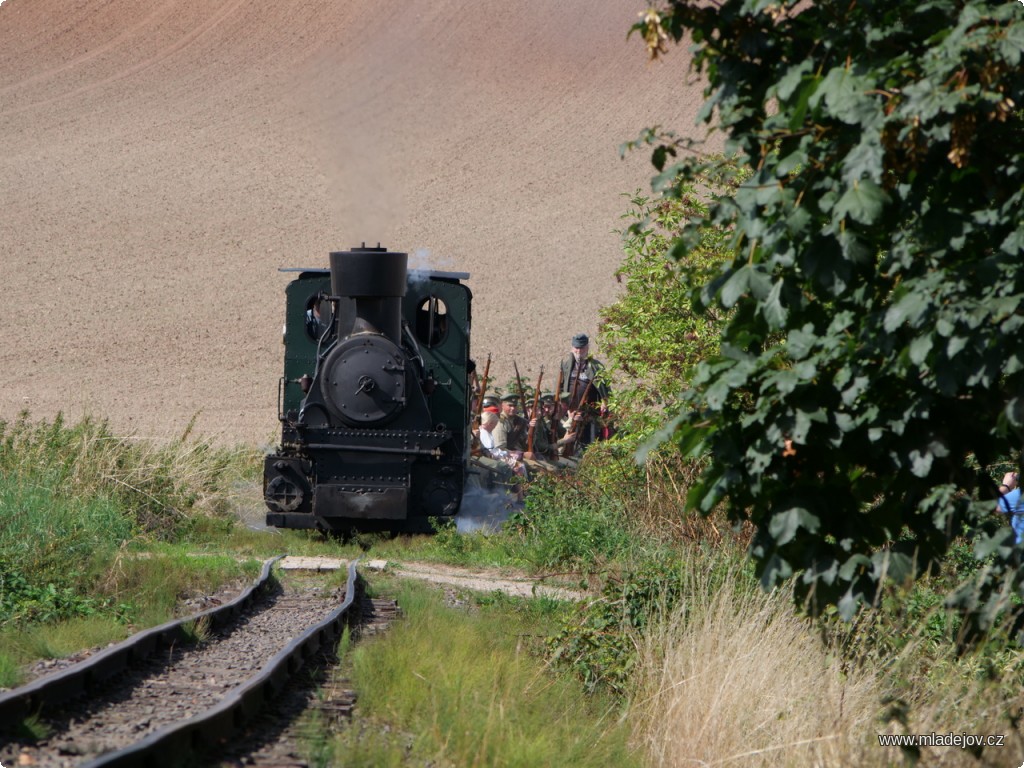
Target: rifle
(522, 395)
(534, 418)
(483, 389)
(519, 386)
(554, 414)
(575, 383)
(578, 427)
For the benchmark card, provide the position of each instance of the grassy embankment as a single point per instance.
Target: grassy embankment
(681, 659)
(78, 506)
(102, 535)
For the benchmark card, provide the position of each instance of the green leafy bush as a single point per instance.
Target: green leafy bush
(22, 601)
(874, 288)
(653, 335)
(571, 524)
(72, 495)
(157, 485)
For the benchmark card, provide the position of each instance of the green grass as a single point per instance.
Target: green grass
(135, 591)
(101, 536)
(458, 686)
(87, 521)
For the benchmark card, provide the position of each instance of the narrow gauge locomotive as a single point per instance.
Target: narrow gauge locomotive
(374, 399)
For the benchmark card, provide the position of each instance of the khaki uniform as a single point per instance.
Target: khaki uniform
(510, 433)
(541, 436)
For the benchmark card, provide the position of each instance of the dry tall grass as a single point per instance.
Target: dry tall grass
(735, 678)
(977, 694)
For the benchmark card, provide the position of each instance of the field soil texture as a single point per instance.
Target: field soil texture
(159, 162)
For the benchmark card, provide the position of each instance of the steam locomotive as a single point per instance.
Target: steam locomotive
(374, 400)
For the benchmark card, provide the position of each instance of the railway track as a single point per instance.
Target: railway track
(186, 687)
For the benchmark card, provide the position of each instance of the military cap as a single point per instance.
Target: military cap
(547, 397)
(509, 396)
(580, 340)
(490, 400)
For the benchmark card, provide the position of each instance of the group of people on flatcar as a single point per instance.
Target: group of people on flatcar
(552, 428)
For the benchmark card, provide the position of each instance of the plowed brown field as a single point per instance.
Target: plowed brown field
(160, 160)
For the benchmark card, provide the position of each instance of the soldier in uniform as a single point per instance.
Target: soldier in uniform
(488, 421)
(490, 402)
(510, 434)
(492, 469)
(546, 457)
(587, 395)
(540, 425)
(567, 445)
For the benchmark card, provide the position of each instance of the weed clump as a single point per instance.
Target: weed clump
(73, 499)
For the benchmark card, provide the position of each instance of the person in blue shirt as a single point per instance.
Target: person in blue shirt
(1010, 503)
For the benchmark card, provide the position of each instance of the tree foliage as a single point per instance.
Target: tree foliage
(875, 296)
(652, 335)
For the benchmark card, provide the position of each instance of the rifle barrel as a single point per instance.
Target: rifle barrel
(483, 388)
(533, 414)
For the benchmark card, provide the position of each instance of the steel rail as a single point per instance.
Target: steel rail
(206, 730)
(80, 679)
(170, 744)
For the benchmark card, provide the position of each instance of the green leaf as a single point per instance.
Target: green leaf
(845, 94)
(865, 161)
(784, 525)
(909, 308)
(848, 605)
(854, 565)
(776, 569)
(919, 349)
(774, 313)
(794, 77)
(1000, 543)
(737, 284)
(800, 341)
(1015, 411)
(659, 156)
(896, 566)
(955, 344)
(863, 201)
(790, 163)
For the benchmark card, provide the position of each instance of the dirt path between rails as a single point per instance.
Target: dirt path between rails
(483, 580)
(505, 580)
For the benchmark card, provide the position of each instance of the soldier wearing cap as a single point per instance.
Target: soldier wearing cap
(540, 424)
(510, 434)
(568, 423)
(587, 395)
(579, 374)
(549, 437)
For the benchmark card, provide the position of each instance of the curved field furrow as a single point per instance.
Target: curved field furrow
(158, 163)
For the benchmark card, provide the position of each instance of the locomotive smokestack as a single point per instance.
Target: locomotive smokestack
(371, 282)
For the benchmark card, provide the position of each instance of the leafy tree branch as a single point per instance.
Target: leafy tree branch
(873, 289)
